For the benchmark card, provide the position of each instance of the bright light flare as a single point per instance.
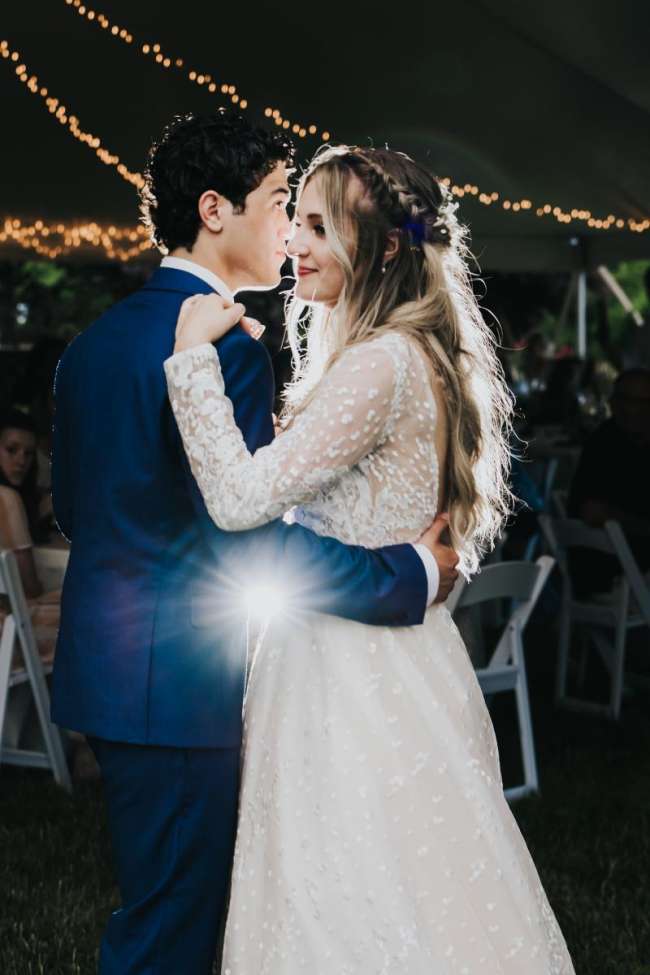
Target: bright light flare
(264, 601)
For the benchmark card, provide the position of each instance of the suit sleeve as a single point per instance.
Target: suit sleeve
(386, 586)
(61, 482)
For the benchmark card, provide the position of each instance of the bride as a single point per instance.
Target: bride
(373, 834)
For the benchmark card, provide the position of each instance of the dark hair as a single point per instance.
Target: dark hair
(28, 490)
(196, 153)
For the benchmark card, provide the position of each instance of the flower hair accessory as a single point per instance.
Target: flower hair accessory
(426, 226)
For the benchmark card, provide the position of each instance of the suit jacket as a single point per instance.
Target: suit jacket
(152, 646)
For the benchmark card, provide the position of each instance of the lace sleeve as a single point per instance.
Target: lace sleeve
(345, 420)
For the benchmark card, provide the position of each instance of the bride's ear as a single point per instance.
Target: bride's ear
(392, 246)
(211, 206)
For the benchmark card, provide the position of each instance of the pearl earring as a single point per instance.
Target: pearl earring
(383, 270)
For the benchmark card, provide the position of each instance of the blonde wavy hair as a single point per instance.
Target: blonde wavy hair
(424, 291)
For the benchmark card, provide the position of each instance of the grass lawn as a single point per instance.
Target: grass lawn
(589, 833)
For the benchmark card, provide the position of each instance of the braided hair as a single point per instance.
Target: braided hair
(422, 220)
(373, 198)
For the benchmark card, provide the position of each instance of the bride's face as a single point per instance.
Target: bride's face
(319, 275)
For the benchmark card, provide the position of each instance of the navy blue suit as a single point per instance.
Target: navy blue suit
(151, 657)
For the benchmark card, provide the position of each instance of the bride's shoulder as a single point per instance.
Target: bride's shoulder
(391, 344)
(382, 356)
(386, 359)
(404, 353)
(386, 363)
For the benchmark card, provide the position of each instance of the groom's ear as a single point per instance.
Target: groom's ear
(211, 206)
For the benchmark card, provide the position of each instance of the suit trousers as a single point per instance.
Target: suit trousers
(172, 815)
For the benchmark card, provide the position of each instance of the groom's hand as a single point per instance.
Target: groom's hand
(436, 538)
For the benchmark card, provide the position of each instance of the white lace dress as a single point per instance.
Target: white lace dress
(373, 835)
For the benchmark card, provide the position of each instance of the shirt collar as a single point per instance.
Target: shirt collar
(180, 264)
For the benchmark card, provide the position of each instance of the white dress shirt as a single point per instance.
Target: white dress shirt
(180, 264)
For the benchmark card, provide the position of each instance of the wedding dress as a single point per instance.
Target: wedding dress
(373, 836)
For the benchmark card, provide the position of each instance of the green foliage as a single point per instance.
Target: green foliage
(47, 274)
(629, 275)
(59, 300)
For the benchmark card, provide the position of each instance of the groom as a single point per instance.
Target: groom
(151, 658)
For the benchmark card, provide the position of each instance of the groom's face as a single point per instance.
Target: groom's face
(257, 237)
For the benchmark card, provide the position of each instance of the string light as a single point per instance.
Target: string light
(296, 128)
(66, 118)
(549, 210)
(34, 237)
(125, 243)
(202, 79)
(57, 239)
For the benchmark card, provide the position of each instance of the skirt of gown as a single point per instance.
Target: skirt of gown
(373, 836)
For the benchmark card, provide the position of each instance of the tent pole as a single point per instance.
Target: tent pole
(582, 315)
(619, 294)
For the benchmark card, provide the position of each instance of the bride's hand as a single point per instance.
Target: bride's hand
(206, 318)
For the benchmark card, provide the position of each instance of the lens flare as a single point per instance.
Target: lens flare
(263, 601)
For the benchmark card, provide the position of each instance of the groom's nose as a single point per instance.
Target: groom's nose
(284, 230)
(293, 242)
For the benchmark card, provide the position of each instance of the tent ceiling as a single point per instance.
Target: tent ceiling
(545, 101)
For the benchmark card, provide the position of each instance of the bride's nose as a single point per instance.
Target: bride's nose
(296, 247)
(298, 242)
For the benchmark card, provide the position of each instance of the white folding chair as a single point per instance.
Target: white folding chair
(17, 632)
(51, 564)
(521, 584)
(606, 619)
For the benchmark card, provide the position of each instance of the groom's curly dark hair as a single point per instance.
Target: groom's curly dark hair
(195, 153)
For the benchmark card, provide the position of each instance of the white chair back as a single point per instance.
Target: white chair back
(17, 632)
(615, 614)
(51, 564)
(630, 566)
(521, 584)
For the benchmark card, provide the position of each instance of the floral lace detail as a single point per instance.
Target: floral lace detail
(373, 834)
(359, 460)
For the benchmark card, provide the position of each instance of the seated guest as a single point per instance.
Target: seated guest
(612, 481)
(559, 402)
(22, 520)
(35, 394)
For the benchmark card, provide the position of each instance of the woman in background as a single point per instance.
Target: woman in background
(23, 520)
